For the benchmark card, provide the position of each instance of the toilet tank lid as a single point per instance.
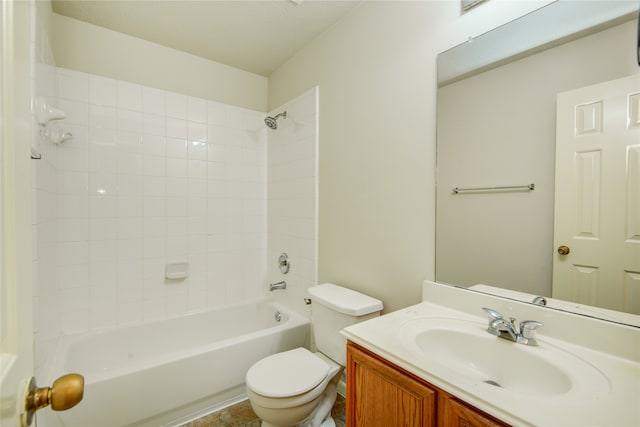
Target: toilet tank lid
(344, 300)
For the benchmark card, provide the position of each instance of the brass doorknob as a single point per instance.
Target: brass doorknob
(563, 250)
(65, 393)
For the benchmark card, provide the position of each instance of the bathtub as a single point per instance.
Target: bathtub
(170, 371)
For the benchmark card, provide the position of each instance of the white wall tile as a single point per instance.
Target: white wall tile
(129, 185)
(234, 117)
(197, 150)
(129, 313)
(154, 124)
(129, 142)
(129, 96)
(101, 184)
(130, 121)
(176, 148)
(73, 85)
(153, 272)
(216, 114)
(198, 243)
(176, 168)
(176, 208)
(153, 101)
(197, 110)
(129, 206)
(197, 187)
(176, 128)
(129, 250)
(103, 251)
(154, 186)
(73, 182)
(102, 159)
(129, 164)
(73, 276)
(197, 206)
(104, 302)
(197, 131)
(76, 112)
(74, 322)
(197, 169)
(154, 165)
(217, 171)
(102, 91)
(176, 247)
(72, 159)
(129, 228)
(176, 186)
(155, 227)
(71, 229)
(154, 248)
(176, 105)
(103, 228)
(153, 177)
(154, 145)
(102, 117)
(154, 309)
(73, 206)
(176, 305)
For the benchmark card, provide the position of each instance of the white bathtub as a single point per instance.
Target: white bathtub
(166, 372)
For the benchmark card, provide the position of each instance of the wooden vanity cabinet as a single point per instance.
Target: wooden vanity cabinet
(381, 394)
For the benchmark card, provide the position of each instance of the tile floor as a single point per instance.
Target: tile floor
(241, 415)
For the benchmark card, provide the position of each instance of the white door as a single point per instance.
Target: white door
(15, 231)
(16, 297)
(597, 200)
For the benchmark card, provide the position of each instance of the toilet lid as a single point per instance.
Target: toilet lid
(287, 374)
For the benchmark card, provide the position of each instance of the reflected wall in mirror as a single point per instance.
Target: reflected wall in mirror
(497, 127)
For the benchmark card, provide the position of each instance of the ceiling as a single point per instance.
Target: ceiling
(256, 36)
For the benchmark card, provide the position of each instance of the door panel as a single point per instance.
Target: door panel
(15, 207)
(597, 202)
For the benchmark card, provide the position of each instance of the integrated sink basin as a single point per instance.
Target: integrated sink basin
(465, 349)
(584, 371)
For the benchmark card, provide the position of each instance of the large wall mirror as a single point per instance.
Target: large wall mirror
(514, 210)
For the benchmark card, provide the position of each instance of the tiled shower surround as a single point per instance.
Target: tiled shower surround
(153, 177)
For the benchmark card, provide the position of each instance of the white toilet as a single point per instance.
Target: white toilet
(298, 387)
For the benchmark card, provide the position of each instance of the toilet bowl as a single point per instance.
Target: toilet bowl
(298, 387)
(288, 388)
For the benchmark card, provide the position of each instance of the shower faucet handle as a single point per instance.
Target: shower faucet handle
(283, 263)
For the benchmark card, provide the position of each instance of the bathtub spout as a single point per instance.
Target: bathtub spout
(279, 285)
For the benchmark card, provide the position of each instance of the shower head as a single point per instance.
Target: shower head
(272, 122)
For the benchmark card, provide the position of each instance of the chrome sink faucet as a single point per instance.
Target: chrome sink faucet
(524, 333)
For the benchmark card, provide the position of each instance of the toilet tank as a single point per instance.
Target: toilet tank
(333, 309)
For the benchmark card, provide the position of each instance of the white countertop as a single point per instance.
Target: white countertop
(611, 400)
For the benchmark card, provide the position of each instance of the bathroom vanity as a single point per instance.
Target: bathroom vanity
(436, 364)
(381, 393)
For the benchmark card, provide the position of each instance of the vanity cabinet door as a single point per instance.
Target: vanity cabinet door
(458, 414)
(379, 395)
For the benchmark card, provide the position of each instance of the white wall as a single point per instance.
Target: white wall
(376, 70)
(85, 47)
(377, 73)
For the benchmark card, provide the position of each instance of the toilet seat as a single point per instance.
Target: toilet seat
(287, 374)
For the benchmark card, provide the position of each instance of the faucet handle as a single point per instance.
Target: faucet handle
(528, 328)
(493, 315)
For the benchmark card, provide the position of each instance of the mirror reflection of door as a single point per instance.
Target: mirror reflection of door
(597, 199)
